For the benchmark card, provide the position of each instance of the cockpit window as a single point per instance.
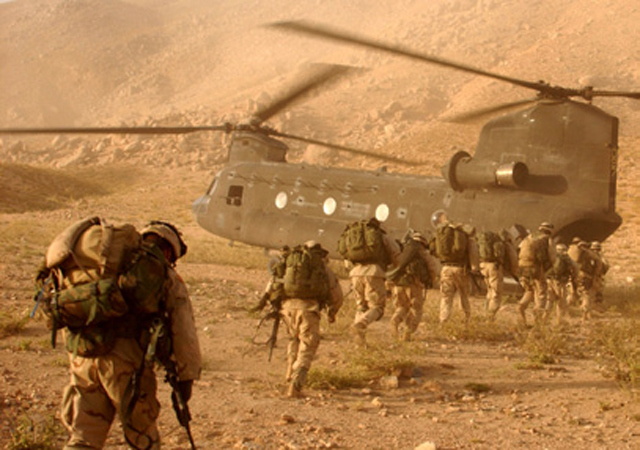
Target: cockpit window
(212, 186)
(234, 196)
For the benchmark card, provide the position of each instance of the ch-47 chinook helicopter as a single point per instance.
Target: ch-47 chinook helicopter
(553, 161)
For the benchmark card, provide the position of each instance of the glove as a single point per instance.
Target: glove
(184, 387)
(331, 318)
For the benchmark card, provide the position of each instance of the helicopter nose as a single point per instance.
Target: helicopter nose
(200, 206)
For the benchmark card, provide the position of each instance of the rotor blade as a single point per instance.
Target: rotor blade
(115, 130)
(318, 75)
(347, 149)
(478, 113)
(325, 32)
(634, 95)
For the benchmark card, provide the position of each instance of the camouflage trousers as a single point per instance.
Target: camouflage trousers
(371, 296)
(409, 303)
(556, 299)
(303, 327)
(535, 290)
(453, 279)
(95, 393)
(585, 293)
(494, 280)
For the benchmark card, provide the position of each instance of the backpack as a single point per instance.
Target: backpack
(305, 275)
(491, 247)
(95, 272)
(534, 251)
(451, 243)
(586, 261)
(362, 242)
(562, 268)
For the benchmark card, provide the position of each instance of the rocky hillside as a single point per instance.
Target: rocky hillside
(167, 62)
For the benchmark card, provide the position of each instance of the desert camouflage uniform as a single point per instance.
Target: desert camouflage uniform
(302, 317)
(368, 284)
(588, 266)
(409, 296)
(454, 277)
(598, 277)
(493, 273)
(533, 276)
(558, 282)
(97, 385)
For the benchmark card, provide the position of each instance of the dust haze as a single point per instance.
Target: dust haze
(201, 62)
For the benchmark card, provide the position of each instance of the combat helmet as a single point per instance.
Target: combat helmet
(419, 237)
(169, 233)
(546, 227)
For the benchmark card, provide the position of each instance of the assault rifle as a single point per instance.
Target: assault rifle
(180, 405)
(272, 313)
(161, 331)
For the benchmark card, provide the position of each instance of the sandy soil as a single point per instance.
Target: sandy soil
(155, 62)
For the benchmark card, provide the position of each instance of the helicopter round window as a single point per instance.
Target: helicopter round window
(329, 206)
(382, 212)
(281, 200)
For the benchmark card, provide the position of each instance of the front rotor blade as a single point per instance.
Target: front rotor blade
(347, 149)
(114, 130)
(478, 113)
(320, 74)
(325, 32)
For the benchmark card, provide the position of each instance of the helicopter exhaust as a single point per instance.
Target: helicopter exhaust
(463, 172)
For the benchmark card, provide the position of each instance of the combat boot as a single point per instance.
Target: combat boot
(294, 390)
(358, 331)
(407, 335)
(522, 317)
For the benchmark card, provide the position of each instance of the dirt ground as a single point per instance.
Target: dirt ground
(459, 392)
(164, 62)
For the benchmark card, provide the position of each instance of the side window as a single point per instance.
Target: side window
(234, 196)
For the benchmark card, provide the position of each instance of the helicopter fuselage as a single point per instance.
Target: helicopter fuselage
(554, 162)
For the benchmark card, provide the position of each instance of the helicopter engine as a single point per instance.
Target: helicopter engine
(463, 172)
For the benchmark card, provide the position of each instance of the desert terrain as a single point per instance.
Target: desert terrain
(194, 62)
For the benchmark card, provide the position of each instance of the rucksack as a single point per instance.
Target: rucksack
(95, 272)
(562, 268)
(411, 266)
(534, 251)
(451, 243)
(305, 275)
(362, 242)
(491, 247)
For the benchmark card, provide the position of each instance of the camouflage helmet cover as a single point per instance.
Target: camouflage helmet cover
(169, 233)
(546, 227)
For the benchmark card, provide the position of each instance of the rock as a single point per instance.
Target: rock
(426, 446)
(389, 382)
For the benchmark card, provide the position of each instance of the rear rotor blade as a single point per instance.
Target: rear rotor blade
(320, 74)
(347, 149)
(322, 31)
(478, 113)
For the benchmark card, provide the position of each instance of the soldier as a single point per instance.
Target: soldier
(598, 276)
(563, 271)
(98, 385)
(416, 271)
(301, 314)
(368, 275)
(491, 249)
(536, 256)
(456, 248)
(573, 252)
(587, 268)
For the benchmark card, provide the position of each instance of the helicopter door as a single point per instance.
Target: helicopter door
(234, 195)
